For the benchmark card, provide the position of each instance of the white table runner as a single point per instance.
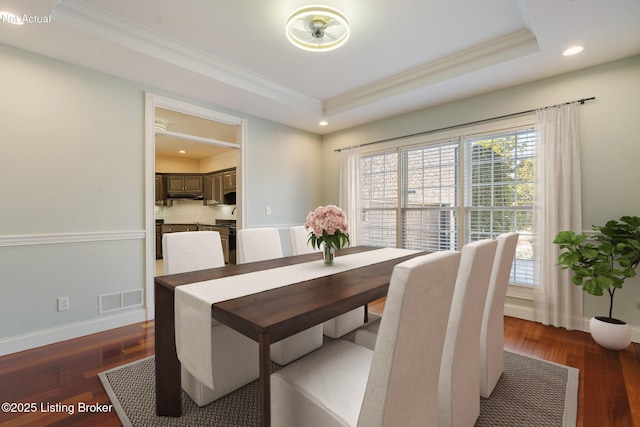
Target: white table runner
(193, 302)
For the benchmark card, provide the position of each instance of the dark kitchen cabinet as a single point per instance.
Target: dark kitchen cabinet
(224, 238)
(184, 184)
(229, 180)
(158, 242)
(213, 189)
(161, 195)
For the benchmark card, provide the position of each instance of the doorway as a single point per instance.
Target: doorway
(200, 132)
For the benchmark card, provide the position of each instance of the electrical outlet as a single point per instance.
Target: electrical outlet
(63, 303)
(267, 210)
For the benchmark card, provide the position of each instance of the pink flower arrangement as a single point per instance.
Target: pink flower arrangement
(328, 225)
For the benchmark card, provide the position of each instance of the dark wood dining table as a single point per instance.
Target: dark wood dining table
(265, 317)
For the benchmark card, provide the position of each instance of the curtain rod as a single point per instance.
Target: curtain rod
(577, 101)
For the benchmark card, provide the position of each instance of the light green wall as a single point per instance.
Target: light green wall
(72, 164)
(609, 129)
(285, 173)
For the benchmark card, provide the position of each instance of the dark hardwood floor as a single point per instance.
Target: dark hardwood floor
(66, 373)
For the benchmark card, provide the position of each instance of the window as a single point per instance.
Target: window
(439, 195)
(379, 192)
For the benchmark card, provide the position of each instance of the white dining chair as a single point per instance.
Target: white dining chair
(234, 355)
(458, 397)
(492, 329)
(340, 325)
(344, 384)
(259, 244)
(300, 239)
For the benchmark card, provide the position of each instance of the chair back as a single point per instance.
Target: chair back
(459, 401)
(299, 241)
(402, 387)
(191, 250)
(258, 244)
(492, 331)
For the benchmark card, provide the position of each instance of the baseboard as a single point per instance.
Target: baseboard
(519, 312)
(526, 313)
(66, 332)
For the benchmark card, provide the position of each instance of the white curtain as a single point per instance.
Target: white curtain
(558, 301)
(349, 194)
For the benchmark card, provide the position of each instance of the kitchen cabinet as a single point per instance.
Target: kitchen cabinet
(158, 241)
(229, 180)
(160, 193)
(213, 189)
(184, 184)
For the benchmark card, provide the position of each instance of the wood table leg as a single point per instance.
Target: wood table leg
(168, 390)
(366, 313)
(264, 342)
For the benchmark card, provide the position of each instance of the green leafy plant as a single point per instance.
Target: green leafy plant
(603, 261)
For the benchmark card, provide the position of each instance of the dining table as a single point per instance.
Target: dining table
(267, 316)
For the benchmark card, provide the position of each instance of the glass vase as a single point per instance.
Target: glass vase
(329, 252)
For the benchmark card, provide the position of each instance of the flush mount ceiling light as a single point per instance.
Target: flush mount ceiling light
(317, 28)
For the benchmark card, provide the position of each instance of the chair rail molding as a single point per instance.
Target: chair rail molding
(73, 237)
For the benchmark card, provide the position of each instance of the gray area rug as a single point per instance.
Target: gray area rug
(531, 392)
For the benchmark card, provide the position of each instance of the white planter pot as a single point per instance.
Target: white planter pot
(612, 336)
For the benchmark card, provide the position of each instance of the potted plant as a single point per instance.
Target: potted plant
(602, 262)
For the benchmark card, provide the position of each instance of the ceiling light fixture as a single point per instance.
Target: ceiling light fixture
(317, 28)
(11, 18)
(323, 123)
(573, 50)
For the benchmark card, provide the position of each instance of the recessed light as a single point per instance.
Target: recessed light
(8, 17)
(182, 152)
(574, 50)
(323, 123)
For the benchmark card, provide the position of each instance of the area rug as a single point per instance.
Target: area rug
(531, 392)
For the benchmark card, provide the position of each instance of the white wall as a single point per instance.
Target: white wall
(609, 129)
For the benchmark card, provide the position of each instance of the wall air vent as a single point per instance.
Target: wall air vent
(119, 300)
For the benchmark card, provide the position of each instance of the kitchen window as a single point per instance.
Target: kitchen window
(438, 195)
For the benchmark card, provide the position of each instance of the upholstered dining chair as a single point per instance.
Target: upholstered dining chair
(492, 330)
(340, 325)
(344, 384)
(235, 353)
(300, 239)
(458, 397)
(258, 244)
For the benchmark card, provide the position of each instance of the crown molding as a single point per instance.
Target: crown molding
(105, 25)
(499, 50)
